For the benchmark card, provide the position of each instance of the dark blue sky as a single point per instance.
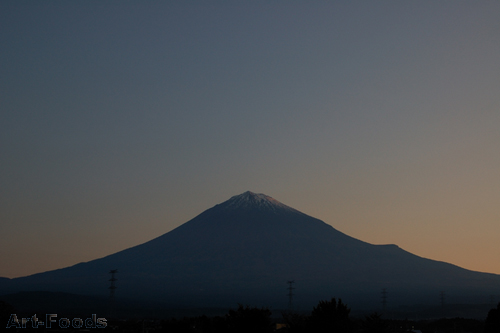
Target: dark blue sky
(122, 120)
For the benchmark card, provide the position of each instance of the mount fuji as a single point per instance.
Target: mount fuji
(245, 249)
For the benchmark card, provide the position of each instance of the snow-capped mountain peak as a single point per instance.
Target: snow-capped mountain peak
(253, 200)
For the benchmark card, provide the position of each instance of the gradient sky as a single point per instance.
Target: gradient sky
(121, 120)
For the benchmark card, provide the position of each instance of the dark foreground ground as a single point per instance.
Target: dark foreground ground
(59, 312)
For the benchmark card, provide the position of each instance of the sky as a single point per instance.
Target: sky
(121, 120)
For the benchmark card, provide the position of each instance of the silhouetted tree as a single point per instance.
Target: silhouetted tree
(330, 316)
(374, 324)
(492, 323)
(249, 320)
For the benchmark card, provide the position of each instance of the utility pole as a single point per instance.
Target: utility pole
(290, 294)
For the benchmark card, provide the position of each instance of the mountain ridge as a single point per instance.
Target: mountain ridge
(246, 248)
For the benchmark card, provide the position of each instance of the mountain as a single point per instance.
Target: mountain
(247, 248)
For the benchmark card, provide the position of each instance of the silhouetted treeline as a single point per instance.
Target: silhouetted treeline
(328, 316)
(492, 324)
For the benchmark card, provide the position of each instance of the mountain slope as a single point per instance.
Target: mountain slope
(245, 249)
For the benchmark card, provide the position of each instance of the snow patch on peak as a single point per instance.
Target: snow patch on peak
(250, 199)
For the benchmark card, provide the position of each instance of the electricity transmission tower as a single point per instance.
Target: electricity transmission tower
(290, 294)
(384, 298)
(112, 288)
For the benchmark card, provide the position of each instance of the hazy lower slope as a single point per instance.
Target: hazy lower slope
(245, 249)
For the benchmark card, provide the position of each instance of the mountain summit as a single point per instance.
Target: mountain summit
(250, 200)
(246, 249)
